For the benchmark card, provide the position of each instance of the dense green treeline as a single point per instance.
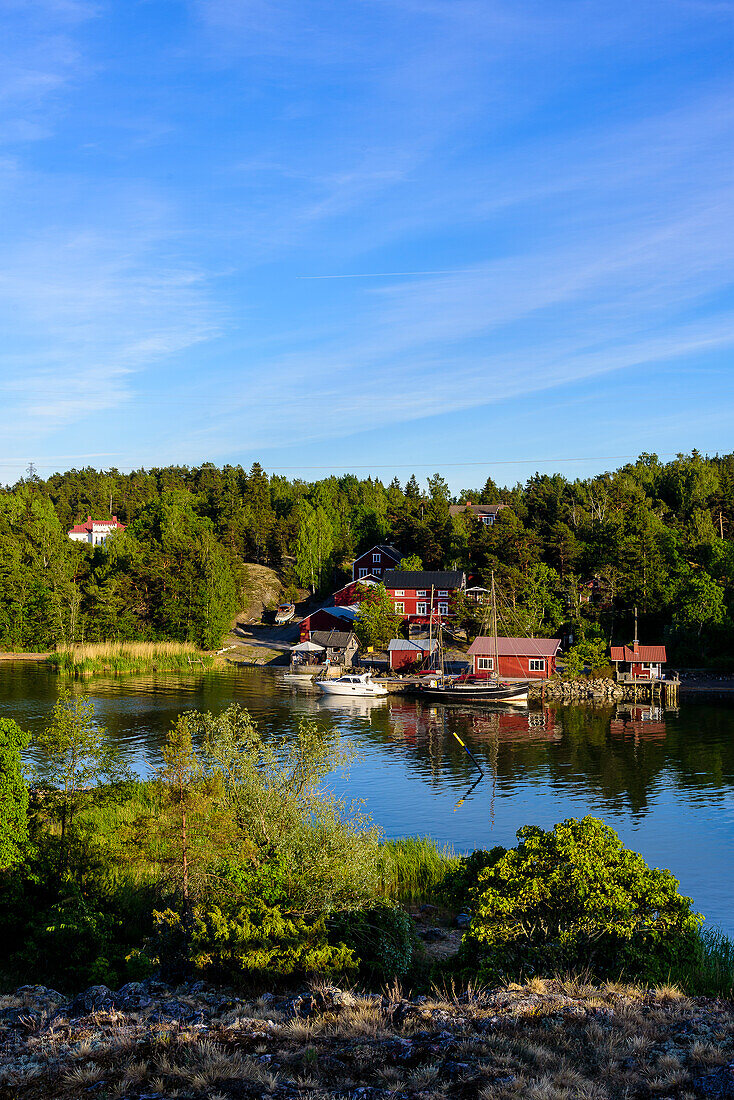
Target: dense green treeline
(650, 534)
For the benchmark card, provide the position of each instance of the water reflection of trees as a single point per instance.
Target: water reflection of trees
(618, 754)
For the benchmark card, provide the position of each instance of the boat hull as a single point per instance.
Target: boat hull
(515, 695)
(351, 691)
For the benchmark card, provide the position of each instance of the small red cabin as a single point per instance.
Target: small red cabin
(518, 658)
(403, 654)
(374, 562)
(639, 662)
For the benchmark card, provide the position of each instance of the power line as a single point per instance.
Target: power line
(370, 466)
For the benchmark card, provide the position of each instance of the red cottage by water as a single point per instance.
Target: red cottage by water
(519, 658)
(639, 662)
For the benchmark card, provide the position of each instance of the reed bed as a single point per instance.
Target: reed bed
(414, 868)
(121, 658)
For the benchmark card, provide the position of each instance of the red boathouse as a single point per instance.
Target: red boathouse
(639, 662)
(519, 658)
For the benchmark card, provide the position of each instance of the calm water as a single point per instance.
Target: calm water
(664, 781)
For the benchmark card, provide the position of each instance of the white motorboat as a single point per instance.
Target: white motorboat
(352, 685)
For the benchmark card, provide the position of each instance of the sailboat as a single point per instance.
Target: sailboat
(468, 688)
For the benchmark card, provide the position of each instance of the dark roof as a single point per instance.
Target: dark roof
(418, 578)
(645, 653)
(333, 639)
(389, 550)
(477, 509)
(515, 647)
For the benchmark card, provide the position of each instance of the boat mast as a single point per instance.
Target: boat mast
(496, 668)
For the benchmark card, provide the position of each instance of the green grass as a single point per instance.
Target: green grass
(123, 658)
(711, 973)
(413, 869)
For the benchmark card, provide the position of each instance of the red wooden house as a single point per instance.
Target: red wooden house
(350, 593)
(485, 513)
(374, 562)
(518, 658)
(639, 662)
(422, 595)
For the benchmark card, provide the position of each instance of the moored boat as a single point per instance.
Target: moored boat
(284, 613)
(467, 690)
(352, 685)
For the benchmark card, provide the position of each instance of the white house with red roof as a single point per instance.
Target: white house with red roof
(95, 531)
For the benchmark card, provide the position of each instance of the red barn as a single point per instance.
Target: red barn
(374, 562)
(350, 593)
(639, 662)
(519, 658)
(326, 618)
(420, 595)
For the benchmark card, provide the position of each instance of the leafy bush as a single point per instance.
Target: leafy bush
(382, 937)
(460, 881)
(575, 898)
(591, 655)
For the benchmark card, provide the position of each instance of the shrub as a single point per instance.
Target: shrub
(458, 885)
(575, 898)
(264, 942)
(382, 937)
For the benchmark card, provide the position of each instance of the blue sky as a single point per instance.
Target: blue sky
(378, 235)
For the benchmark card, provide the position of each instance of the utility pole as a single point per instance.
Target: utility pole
(721, 525)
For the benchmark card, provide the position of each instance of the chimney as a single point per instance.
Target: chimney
(635, 647)
(468, 504)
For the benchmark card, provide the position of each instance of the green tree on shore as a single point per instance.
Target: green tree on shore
(13, 793)
(78, 761)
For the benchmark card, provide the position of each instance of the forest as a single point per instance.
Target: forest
(574, 555)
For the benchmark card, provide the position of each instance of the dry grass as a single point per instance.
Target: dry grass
(548, 1040)
(119, 658)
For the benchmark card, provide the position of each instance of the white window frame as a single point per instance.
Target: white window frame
(421, 608)
(363, 572)
(443, 592)
(422, 592)
(443, 609)
(399, 607)
(489, 520)
(377, 557)
(485, 664)
(399, 592)
(536, 664)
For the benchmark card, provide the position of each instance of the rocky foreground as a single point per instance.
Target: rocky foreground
(547, 1041)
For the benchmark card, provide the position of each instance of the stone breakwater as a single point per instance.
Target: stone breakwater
(548, 1039)
(574, 691)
